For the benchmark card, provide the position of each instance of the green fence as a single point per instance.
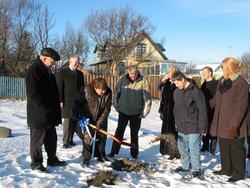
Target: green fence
(12, 87)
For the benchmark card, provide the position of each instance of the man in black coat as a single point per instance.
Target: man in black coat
(69, 82)
(43, 109)
(209, 89)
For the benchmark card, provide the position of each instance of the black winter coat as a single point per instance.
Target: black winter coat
(209, 89)
(69, 84)
(190, 111)
(167, 106)
(43, 107)
(92, 106)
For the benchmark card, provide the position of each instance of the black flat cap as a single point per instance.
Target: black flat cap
(49, 52)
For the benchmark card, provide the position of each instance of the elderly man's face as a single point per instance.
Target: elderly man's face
(133, 73)
(74, 63)
(48, 61)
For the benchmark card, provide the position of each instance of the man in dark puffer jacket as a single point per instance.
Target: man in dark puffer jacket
(94, 102)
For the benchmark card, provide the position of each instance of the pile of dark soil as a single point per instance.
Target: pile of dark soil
(102, 177)
(171, 142)
(127, 165)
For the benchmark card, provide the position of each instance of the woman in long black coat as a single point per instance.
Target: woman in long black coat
(166, 112)
(94, 102)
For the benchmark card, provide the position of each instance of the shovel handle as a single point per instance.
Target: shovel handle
(112, 136)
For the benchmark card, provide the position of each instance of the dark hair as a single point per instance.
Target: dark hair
(178, 76)
(99, 83)
(209, 69)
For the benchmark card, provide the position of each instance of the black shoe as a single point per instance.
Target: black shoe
(57, 163)
(134, 156)
(221, 172)
(72, 144)
(212, 153)
(40, 168)
(180, 169)
(233, 179)
(102, 159)
(196, 174)
(203, 149)
(171, 158)
(111, 155)
(248, 156)
(85, 163)
(65, 146)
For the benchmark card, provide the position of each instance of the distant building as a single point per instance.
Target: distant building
(142, 49)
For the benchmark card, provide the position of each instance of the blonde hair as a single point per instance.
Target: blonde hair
(173, 69)
(232, 64)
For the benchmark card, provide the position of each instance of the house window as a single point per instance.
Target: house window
(141, 50)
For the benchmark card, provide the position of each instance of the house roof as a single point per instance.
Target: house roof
(137, 39)
(160, 47)
(140, 37)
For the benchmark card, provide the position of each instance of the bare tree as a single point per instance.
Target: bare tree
(19, 40)
(190, 69)
(5, 31)
(24, 10)
(246, 65)
(113, 30)
(42, 27)
(73, 43)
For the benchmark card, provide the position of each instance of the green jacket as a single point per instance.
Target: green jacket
(132, 98)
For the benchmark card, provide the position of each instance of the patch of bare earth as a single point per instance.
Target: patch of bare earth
(127, 165)
(102, 177)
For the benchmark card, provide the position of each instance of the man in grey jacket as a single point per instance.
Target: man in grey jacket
(132, 100)
(190, 115)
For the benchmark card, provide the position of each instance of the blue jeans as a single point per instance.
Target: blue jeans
(189, 146)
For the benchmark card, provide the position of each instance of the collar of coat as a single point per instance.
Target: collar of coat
(139, 78)
(189, 87)
(42, 66)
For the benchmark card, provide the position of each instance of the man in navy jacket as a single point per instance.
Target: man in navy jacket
(191, 122)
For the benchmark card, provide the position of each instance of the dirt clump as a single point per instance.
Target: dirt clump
(127, 165)
(102, 177)
(171, 143)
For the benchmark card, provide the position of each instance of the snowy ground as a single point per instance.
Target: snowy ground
(15, 161)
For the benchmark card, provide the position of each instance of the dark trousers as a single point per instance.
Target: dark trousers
(233, 157)
(38, 137)
(248, 146)
(70, 127)
(135, 124)
(209, 143)
(100, 144)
